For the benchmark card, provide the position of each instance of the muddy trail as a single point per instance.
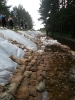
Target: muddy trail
(48, 75)
(60, 85)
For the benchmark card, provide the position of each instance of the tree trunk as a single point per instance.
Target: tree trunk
(64, 3)
(73, 31)
(61, 27)
(68, 1)
(52, 30)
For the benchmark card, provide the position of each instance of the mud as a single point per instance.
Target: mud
(59, 83)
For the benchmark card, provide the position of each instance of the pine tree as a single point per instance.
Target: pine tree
(3, 7)
(18, 14)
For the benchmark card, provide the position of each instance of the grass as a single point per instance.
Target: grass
(64, 35)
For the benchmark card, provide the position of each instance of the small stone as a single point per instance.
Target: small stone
(43, 74)
(32, 90)
(31, 98)
(40, 68)
(38, 97)
(22, 61)
(23, 93)
(16, 79)
(33, 77)
(39, 78)
(33, 82)
(27, 73)
(41, 87)
(25, 82)
(33, 69)
(28, 68)
(39, 72)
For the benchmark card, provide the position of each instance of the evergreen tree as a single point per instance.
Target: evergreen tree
(3, 7)
(58, 15)
(19, 13)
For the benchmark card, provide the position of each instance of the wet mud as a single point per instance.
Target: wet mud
(59, 83)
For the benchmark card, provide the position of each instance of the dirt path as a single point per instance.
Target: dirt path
(39, 72)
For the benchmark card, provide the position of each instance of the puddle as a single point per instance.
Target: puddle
(59, 83)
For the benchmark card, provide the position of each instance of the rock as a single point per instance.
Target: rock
(25, 82)
(29, 58)
(21, 67)
(41, 87)
(34, 73)
(7, 97)
(26, 64)
(43, 74)
(43, 64)
(22, 61)
(33, 61)
(33, 69)
(13, 58)
(35, 57)
(23, 93)
(33, 82)
(46, 62)
(27, 74)
(28, 68)
(33, 77)
(72, 52)
(39, 72)
(30, 64)
(32, 90)
(12, 89)
(17, 72)
(16, 79)
(3, 95)
(2, 87)
(40, 68)
(39, 78)
(38, 97)
(31, 98)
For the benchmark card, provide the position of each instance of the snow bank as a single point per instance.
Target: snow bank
(46, 41)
